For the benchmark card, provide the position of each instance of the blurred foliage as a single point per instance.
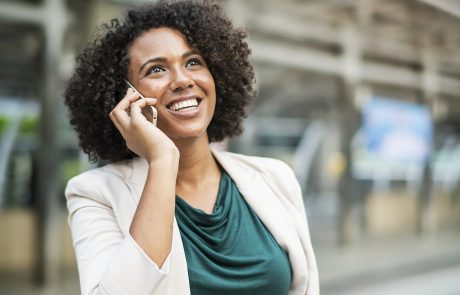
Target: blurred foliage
(4, 121)
(29, 125)
(69, 169)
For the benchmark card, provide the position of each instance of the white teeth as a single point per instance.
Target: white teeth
(184, 104)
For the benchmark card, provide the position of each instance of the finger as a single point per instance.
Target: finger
(121, 117)
(116, 123)
(151, 100)
(127, 100)
(137, 106)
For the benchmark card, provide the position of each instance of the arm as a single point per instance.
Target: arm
(152, 224)
(109, 261)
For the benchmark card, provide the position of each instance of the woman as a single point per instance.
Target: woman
(170, 215)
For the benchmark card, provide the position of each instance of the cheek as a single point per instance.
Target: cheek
(157, 88)
(208, 84)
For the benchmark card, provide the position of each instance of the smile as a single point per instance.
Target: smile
(184, 106)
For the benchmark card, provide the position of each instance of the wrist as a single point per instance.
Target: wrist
(169, 158)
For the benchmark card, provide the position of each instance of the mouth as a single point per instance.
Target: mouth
(184, 105)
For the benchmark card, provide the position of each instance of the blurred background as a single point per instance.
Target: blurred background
(360, 97)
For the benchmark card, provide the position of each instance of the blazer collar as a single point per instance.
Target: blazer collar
(244, 177)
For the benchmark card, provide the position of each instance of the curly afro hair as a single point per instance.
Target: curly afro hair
(97, 84)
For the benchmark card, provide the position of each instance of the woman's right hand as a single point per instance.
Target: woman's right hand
(141, 136)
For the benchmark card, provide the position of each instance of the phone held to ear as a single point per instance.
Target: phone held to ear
(154, 111)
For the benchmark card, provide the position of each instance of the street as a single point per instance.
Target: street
(445, 281)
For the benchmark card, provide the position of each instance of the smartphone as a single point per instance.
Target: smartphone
(154, 111)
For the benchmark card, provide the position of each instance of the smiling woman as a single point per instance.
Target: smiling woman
(97, 84)
(170, 215)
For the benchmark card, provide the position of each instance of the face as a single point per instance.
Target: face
(164, 66)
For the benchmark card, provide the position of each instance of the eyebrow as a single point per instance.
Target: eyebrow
(163, 59)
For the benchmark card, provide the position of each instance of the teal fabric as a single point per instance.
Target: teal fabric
(230, 251)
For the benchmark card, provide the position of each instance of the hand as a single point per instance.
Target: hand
(141, 136)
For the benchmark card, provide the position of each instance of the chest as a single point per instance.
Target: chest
(201, 197)
(230, 251)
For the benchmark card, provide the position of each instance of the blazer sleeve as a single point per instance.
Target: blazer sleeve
(109, 262)
(297, 199)
(284, 180)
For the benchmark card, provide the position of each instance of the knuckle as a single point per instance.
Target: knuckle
(136, 124)
(133, 96)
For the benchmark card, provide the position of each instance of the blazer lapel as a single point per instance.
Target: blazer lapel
(262, 199)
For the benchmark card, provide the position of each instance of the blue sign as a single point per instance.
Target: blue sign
(397, 131)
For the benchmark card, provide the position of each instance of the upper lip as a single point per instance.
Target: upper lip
(182, 98)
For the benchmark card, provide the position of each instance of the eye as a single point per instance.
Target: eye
(155, 69)
(193, 62)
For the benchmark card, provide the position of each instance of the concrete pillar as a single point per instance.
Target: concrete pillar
(53, 18)
(54, 25)
(430, 91)
(348, 120)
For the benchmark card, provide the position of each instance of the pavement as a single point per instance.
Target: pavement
(406, 261)
(403, 264)
(440, 282)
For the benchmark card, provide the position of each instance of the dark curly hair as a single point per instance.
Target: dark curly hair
(97, 84)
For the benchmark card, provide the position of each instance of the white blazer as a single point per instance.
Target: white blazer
(102, 203)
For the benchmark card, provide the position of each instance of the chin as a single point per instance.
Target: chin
(188, 134)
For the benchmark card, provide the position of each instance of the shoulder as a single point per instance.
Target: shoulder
(253, 161)
(270, 166)
(278, 176)
(93, 182)
(275, 174)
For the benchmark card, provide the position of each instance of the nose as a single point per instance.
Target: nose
(181, 80)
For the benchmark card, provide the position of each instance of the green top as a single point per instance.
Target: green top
(230, 251)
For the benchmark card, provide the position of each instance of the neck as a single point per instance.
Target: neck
(196, 164)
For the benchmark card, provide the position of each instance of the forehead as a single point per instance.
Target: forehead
(158, 42)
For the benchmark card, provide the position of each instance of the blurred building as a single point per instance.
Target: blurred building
(323, 67)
